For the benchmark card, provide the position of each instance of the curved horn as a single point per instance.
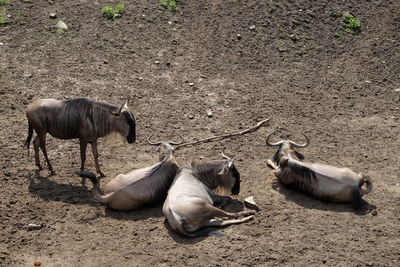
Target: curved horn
(228, 159)
(124, 105)
(178, 143)
(150, 142)
(301, 145)
(272, 144)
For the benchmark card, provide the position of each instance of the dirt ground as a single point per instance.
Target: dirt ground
(296, 66)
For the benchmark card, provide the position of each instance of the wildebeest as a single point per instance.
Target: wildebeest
(323, 181)
(79, 118)
(139, 187)
(190, 201)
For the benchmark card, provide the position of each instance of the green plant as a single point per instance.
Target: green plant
(4, 2)
(170, 4)
(351, 24)
(113, 12)
(3, 17)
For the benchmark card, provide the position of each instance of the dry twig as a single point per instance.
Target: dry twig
(220, 137)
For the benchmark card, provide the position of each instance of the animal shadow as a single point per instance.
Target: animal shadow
(153, 211)
(306, 200)
(48, 190)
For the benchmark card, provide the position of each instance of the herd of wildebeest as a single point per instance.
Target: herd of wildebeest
(189, 192)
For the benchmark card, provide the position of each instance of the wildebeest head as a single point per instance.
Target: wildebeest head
(286, 148)
(229, 175)
(164, 148)
(125, 123)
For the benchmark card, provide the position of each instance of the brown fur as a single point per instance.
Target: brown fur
(79, 118)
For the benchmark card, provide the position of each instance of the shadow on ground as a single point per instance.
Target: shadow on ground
(49, 190)
(306, 200)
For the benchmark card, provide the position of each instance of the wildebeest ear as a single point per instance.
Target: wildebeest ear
(284, 162)
(299, 155)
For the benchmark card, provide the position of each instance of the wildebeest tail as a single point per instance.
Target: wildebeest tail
(96, 186)
(29, 138)
(368, 183)
(91, 176)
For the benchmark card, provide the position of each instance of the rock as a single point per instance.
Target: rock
(33, 226)
(252, 27)
(367, 81)
(374, 213)
(61, 25)
(250, 203)
(1, 43)
(191, 84)
(37, 263)
(53, 15)
(157, 62)
(397, 90)
(190, 116)
(209, 114)
(239, 36)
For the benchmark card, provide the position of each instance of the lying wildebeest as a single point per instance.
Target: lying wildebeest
(190, 201)
(139, 187)
(323, 181)
(77, 118)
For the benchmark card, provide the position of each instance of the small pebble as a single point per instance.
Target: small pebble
(1, 43)
(157, 62)
(191, 84)
(252, 27)
(61, 25)
(53, 15)
(374, 213)
(190, 116)
(37, 263)
(209, 114)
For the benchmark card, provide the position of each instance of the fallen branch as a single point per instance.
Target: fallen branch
(220, 137)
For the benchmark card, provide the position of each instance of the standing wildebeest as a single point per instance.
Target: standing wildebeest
(190, 201)
(323, 181)
(139, 187)
(77, 118)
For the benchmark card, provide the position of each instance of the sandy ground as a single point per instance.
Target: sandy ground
(296, 66)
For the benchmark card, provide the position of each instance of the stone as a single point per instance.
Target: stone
(250, 203)
(61, 25)
(53, 15)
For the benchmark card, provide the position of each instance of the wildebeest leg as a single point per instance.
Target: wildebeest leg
(218, 223)
(83, 145)
(36, 144)
(96, 158)
(42, 139)
(216, 212)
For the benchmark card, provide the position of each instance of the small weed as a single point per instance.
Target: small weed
(351, 24)
(170, 4)
(3, 17)
(4, 2)
(113, 12)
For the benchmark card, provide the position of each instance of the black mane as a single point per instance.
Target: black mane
(301, 175)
